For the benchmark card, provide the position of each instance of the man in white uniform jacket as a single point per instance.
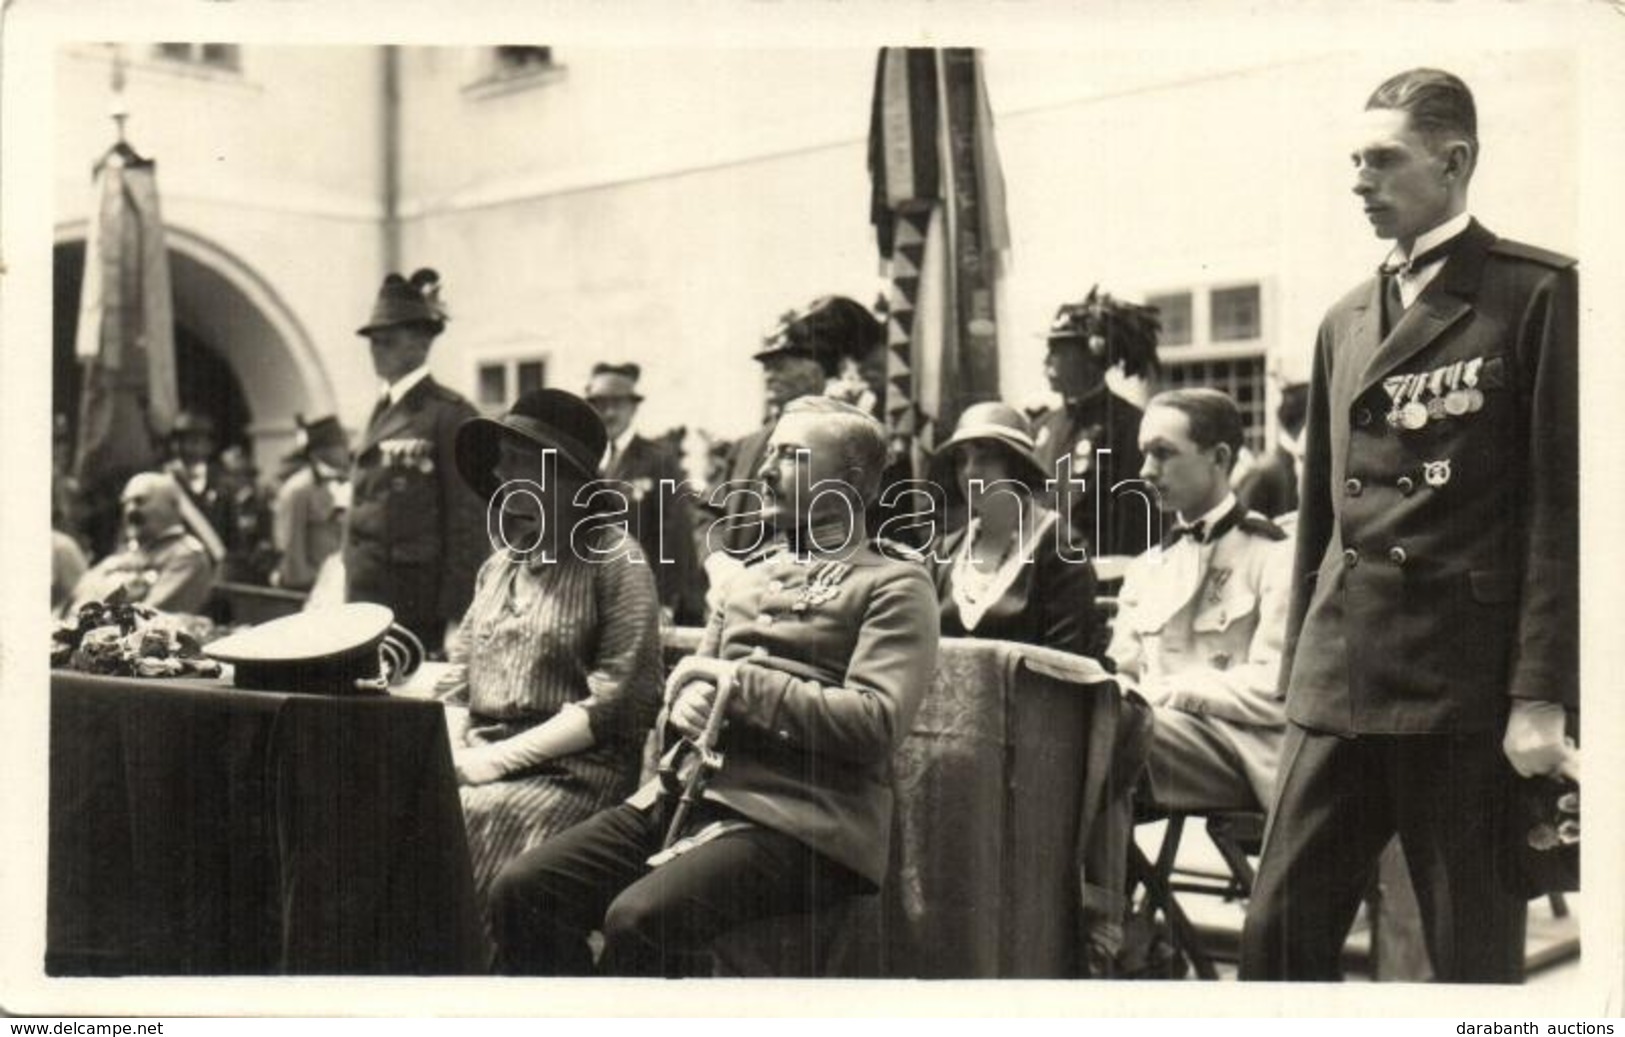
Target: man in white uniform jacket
(1201, 616)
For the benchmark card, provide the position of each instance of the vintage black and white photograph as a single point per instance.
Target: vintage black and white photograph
(825, 491)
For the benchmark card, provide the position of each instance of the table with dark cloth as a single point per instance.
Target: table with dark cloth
(196, 829)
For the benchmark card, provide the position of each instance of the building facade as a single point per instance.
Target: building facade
(665, 206)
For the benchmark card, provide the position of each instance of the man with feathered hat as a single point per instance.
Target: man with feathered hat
(416, 533)
(1094, 435)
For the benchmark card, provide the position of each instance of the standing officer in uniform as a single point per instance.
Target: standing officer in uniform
(416, 533)
(660, 519)
(1432, 635)
(829, 646)
(1094, 435)
(1200, 617)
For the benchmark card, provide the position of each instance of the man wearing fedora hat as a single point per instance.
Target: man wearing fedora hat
(416, 534)
(308, 514)
(800, 357)
(661, 518)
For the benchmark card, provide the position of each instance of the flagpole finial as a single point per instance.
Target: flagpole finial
(118, 109)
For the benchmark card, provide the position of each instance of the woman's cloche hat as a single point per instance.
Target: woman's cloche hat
(998, 422)
(550, 418)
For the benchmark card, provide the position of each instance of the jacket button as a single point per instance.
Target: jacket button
(1351, 557)
(1396, 555)
(1362, 417)
(1406, 485)
(1353, 487)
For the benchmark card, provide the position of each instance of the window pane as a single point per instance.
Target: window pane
(523, 59)
(1243, 379)
(220, 55)
(532, 376)
(493, 384)
(1235, 314)
(1174, 311)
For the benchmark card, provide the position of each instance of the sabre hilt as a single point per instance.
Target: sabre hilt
(706, 762)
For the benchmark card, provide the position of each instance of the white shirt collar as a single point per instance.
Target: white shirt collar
(403, 385)
(1437, 236)
(624, 440)
(617, 446)
(1213, 516)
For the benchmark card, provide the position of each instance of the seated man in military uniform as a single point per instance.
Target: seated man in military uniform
(1201, 617)
(827, 646)
(163, 565)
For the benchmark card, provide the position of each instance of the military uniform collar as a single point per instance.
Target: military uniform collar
(1450, 228)
(397, 390)
(1210, 519)
(174, 532)
(1089, 402)
(829, 539)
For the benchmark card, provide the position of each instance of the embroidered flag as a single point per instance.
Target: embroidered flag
(937, 206)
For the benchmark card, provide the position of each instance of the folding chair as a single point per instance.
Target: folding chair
(1237, 835)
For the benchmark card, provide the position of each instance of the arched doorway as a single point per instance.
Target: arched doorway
(241, 355)
(207, 383)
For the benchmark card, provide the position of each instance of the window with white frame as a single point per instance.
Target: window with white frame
(498, 382)
(1219, 336)
(499, 70)
(223, 57)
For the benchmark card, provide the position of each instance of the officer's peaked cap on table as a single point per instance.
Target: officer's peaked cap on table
(406, 301)
(829, 329)
(323, 650)
(550, 418)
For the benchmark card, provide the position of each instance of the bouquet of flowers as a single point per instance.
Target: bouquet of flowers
(132, 640)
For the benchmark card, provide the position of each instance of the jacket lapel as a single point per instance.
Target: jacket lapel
(1445, 301)
(625, 466)
(396, 418)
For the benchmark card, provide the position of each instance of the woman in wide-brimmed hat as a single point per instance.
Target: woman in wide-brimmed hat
(558, 658)
(1013, 572)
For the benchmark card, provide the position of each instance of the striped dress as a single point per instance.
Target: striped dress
(537, 639)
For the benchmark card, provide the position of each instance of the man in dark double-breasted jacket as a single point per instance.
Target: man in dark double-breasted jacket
(1431, 645)
(416, 533)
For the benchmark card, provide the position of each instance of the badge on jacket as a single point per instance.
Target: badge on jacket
(1448, 391)
(823, 583)
(408, 453)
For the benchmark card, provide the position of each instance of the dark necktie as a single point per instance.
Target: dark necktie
(1393, 304)
(378, 410)
(1393, 307)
